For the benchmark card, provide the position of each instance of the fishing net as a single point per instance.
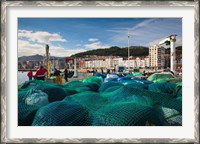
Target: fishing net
(79, 86)
(160, 77)
(54, 92)
(179, 92)
(122, 79)
(36, 98)
(125, 114)
(107, 85)
(74, 84)
(135, 84)
(110, 79)
(94, 86)
(100, 75)
(26, 114)
(175, 121)
(127, 93)
(22, 95)
(93, 79)
(91, 100)
(158, 99)
(142, 81)
(28, 103)
(31, 84)
(112, 75)
(168, 88)
(62, 113)
(168, 116)
(118, 102)
(82, 89)
(112, 88)
(134, 74)
(174, 80)
(93, 82)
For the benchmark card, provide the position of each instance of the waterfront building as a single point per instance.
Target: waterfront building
(156, 56)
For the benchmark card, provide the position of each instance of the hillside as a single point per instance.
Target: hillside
(34, 58)
(115, 51)
(123, 52)
(178, 50)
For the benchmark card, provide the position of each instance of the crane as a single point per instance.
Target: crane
(170, 40)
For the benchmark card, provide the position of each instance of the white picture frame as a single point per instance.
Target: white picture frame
(5, 60)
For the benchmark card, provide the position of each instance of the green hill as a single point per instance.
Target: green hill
(115, 51)
(123, 52)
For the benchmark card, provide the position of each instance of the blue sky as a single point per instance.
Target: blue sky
(67, 36)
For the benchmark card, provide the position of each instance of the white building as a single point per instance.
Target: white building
(156, 56)
(147, 62)
(115, 62)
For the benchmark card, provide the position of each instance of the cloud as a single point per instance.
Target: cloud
(96, 45)
(25, 48)
(40, 36)
(143, 24)
(148, 31)
(78, 45)
(93, 39)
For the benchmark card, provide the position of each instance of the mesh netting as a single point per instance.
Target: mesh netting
(91, 100)
(135, 84)
(134, 74)
(168, 116)
(175, 80)
(169, 88)
(100, 75)
(93, 79)
(110, 79)
(22, 95)
(121, 101)
(26, 114)
(36, 98)
(31, 84)
(126, 93)
(28, 103)
(74, 84)
(142, 81)
(175, 121)
(179, 92)
(94, 86)
(112, 88)
(82, 89)
(107, 85)
(54, 92)
(124, 114)
(159, 99)
(62, 113)
(160, 77)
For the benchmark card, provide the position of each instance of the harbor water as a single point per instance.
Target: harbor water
(22, 76)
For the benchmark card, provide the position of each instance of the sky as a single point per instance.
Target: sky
(67, 36)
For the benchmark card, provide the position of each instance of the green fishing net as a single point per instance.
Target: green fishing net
(168, 88)
(92, 102)
(125, 114)
(160, 77)
(62, 113)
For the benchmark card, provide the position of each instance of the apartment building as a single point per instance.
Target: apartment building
(157, 56)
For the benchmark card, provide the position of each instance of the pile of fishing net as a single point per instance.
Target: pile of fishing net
(162, 77)
(134, 74)
(94, 102)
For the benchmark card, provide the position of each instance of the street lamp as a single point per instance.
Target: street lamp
(128, 50)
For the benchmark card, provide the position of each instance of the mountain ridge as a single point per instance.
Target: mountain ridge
(112, 51)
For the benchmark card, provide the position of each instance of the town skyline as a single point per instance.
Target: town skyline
(68, 36)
